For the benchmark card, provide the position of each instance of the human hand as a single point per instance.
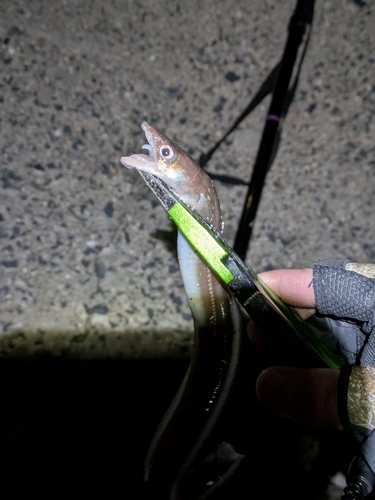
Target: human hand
(301, 394)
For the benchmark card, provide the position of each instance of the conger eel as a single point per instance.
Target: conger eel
(182, 444)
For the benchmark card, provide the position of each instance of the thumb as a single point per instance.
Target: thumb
(294, 286)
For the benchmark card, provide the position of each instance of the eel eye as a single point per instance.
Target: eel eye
(167, 152)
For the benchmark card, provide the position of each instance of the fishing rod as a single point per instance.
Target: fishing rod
(276, 83)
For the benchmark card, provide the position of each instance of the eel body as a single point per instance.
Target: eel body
(183, 441)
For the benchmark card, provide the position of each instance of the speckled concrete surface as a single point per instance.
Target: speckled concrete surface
(87, 261)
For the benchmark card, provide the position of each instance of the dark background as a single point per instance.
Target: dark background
(80, 429)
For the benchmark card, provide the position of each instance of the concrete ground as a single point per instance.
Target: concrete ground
(87, 259)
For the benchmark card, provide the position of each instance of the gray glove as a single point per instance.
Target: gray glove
(345, 294)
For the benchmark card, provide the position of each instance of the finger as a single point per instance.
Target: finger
(256, 334)
(307, 396)
(294, 286)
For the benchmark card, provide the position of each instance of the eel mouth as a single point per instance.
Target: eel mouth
(140, 160)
